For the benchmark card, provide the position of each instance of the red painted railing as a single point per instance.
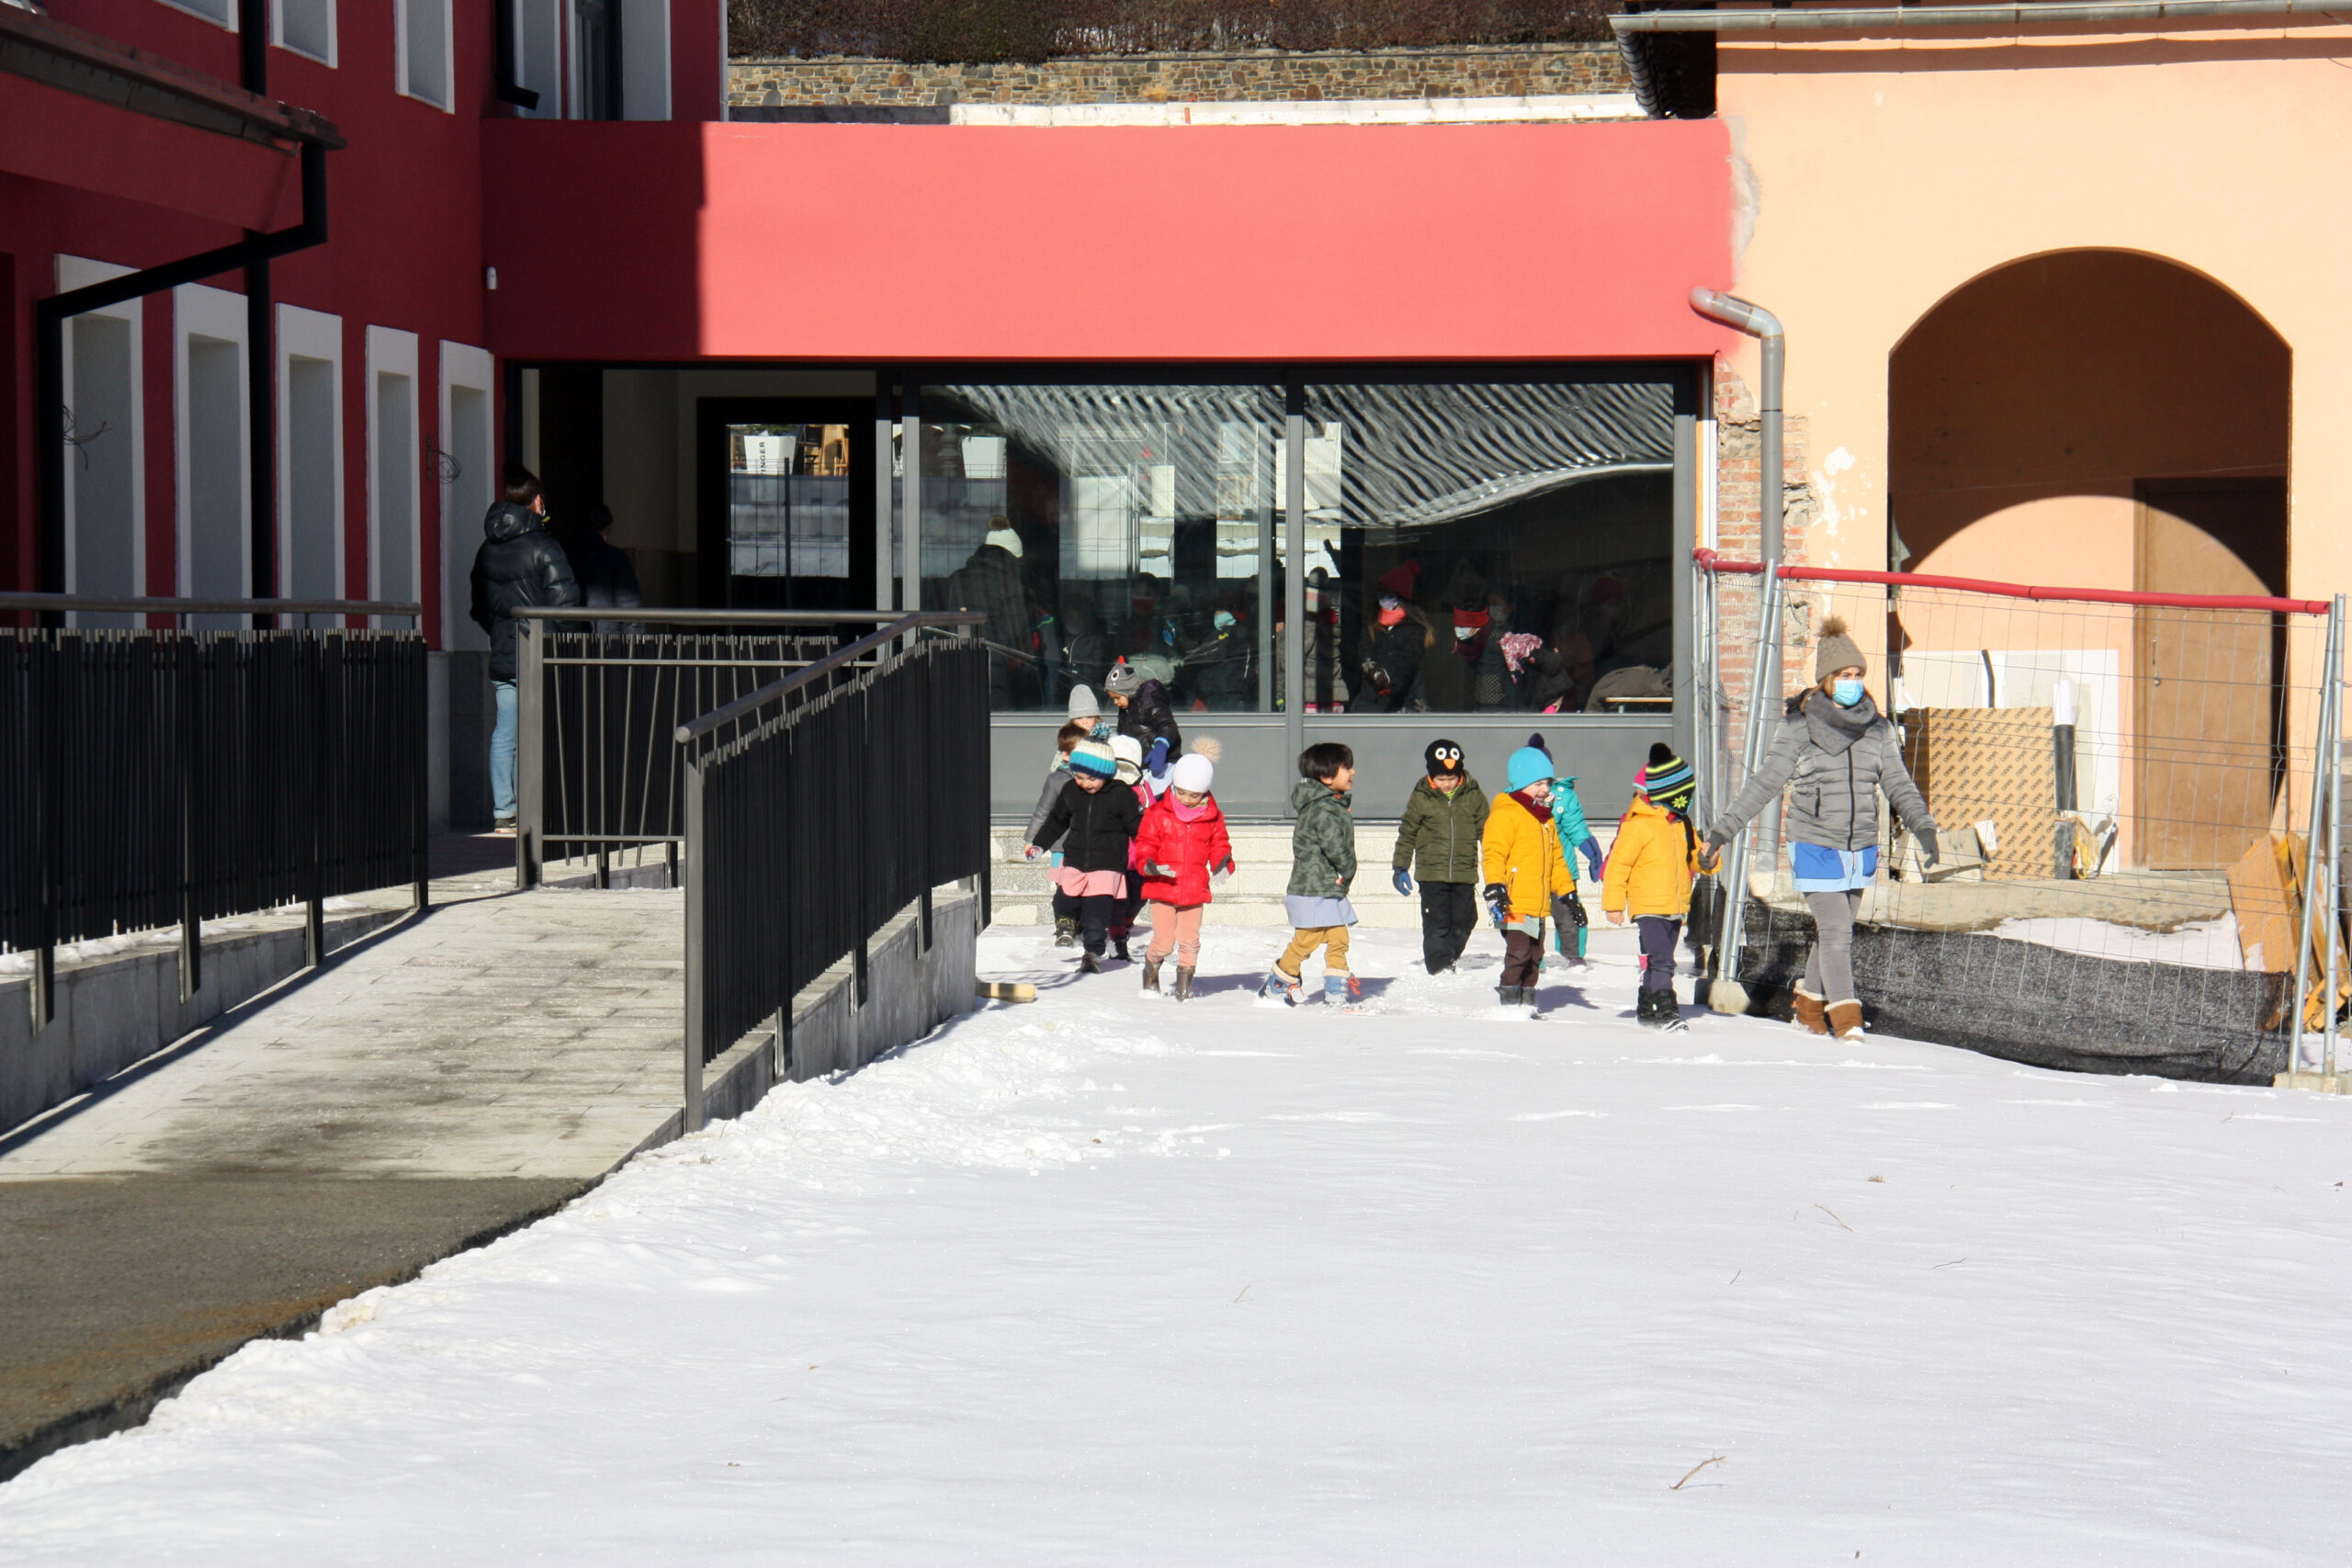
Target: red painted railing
(1711, 561)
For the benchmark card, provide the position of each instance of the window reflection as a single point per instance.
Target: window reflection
(1096, 523)
(1489, 547)
(787, 501)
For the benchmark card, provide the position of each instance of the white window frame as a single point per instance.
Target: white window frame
(391, 352)
(332, 57)
(645, 59)
(307, 334)
(229, 26)
(475, 370)
(80, 272)
(200, 311)
(449, 55)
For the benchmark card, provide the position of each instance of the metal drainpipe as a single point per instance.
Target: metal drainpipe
(261, 361)
(1764, 682)
(50, 316)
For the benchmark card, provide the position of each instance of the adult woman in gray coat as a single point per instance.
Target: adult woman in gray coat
(1834, 753)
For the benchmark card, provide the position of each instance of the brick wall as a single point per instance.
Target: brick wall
(1740, 433)
(1516, 71)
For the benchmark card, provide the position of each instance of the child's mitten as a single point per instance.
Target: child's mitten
(1404, 880)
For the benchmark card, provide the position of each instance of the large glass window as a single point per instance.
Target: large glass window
(787, 501)
(1098, 522)
(1489, 547)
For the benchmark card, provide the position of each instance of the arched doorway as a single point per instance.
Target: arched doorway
(2112, 420)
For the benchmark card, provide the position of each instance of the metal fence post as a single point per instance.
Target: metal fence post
(185, 690)
(311, 661)
(2332, 759)
(698, 935)
(1763, 691)
(2331, 684)
(420, 786)
(46, 843)
(530, 727)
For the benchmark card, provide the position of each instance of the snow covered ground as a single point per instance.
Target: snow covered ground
(1102, 1281)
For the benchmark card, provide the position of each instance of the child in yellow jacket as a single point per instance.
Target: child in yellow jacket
(1527, 871)
(1649, 877)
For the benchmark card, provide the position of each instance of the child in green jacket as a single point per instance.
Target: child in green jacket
(1439, 838)
(1323, 863)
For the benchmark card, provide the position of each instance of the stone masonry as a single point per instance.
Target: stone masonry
(1738, 517)
(1465, 72)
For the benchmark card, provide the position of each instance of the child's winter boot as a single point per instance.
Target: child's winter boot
(1066, 932)
(1152, 974)
(1669, 1012)
(1646, 1011)
(1119, 949)
(1183, 983)
(1279, 987)
(1344, 992)
(1092, 963)
(1807, 1011)
(1845, 1020)
(1510, 996)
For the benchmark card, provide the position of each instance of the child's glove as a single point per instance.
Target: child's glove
(1157, 872)
(1223, 868)
(1498, 898)
(1591, 850)
(1404, 880)
(1159, 757)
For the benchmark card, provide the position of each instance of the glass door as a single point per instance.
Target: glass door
(787, 506)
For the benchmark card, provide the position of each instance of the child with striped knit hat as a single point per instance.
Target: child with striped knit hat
(1650, 869)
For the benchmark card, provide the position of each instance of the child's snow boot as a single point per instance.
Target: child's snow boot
(1119, 949)
(1152, 974)
(1279, 987)
(1646, 1011)
(1066, 932)
(1092, 963)
(1845, 1020)
(1510, 996)
(1344, 992)
(1807, 1011)
(1669, 1012)
(1183, 983)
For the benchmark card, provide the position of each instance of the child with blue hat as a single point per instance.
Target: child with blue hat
(1527, 871)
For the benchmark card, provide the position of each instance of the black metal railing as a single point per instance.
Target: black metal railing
(598, 773)
(155, 777)
(820, 807)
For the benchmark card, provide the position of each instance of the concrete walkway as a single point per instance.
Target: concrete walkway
(456, 1074)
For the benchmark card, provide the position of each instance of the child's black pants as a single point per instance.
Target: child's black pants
(1449, 918)
(1096, 914)
(1658, 937)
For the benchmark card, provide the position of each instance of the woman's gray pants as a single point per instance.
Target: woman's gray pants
(1829, 972)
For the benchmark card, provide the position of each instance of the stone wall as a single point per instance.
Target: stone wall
(1468, 72)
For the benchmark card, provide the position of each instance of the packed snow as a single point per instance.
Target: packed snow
(1106, 1280)
(2197, 944)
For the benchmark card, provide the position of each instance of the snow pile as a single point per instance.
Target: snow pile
(1104, 1280)
(2200, 944)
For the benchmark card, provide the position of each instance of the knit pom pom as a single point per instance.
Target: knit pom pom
(1209, 746)
(1834, 626)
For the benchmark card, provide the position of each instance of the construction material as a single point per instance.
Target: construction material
(1005, 990)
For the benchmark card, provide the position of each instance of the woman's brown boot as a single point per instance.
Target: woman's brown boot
(1183, 983)
(1808, 1010)
(1846, 1019)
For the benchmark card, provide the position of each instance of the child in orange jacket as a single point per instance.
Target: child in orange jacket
(1650, 868)
(1527, 873)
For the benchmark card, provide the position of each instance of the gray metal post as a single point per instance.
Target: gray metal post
(529, 731)
(2332, 760)
(1762, 697)
(885, 518)
(911, 496)
(2331, 685)
(696, 891)
(1293, 650)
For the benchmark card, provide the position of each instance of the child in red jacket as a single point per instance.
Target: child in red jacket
(1182, 840)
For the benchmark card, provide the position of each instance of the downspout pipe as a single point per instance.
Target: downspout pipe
(261, 359)
(1725, 994)
(50, 314)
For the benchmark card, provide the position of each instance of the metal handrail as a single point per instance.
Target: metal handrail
(699, 617)
(902, 627)
(154, 606)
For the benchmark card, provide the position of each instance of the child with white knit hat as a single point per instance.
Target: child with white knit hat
(1182, 844)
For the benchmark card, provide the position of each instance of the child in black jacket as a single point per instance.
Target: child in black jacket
(1094, 822)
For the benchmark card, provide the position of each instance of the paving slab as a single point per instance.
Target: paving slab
(436, 1084)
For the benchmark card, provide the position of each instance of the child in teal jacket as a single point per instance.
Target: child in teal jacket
(1567, 820)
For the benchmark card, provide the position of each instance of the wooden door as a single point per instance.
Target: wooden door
(2207, 703)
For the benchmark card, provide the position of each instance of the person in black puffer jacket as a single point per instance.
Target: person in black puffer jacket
(519, 566)
(608, 577)
(1145, 712)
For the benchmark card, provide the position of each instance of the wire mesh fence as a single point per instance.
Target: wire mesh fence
(2122, 793)
(156, 777)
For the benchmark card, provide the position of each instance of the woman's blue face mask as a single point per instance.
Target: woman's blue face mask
(1845, 691)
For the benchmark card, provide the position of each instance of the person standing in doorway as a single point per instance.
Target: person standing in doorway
(519, 566)
(608, 577)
